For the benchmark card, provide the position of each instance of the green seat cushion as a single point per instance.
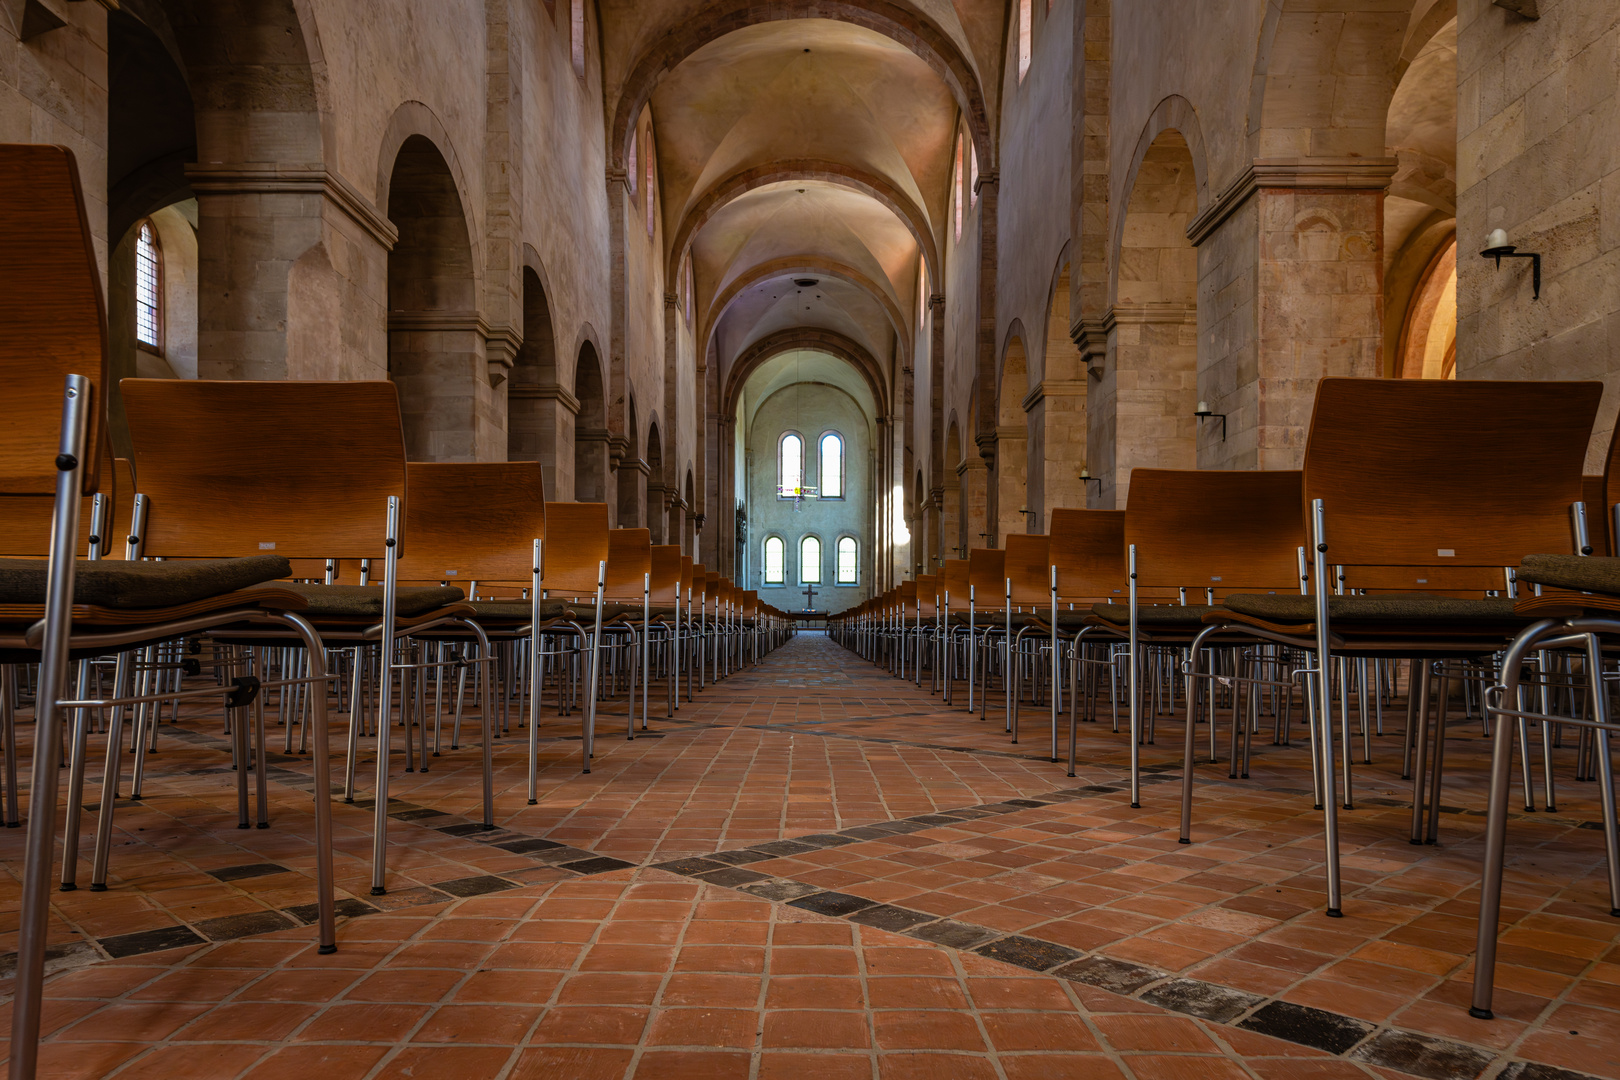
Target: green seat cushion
(140, 585)
(366, 601)
(1584, 573)
(1158, 615)
(1294, 608)
(518, 609)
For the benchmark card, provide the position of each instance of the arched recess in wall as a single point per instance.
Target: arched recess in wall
(827, 341)
(629, 478)
(721, 17)
(533, 408)
(590, 428)
(1154, 343)
(655, 481)
(1057, 421)
(1429, 338)
(952, 526)
(689, 535)
(435, 352)
(1012, 439)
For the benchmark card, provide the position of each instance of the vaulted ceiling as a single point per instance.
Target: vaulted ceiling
(805, 151)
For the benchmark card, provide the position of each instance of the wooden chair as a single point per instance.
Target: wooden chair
(1087, 549)
(575, 570)
(1028, 572)
(53, 363)
(958, 597)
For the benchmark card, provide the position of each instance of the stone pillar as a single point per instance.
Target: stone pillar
(542, 417)
(973, 480)
(590, 449)
(1057, 432)
(1012, 484)
(630, 482)
(1141, 415)
(1290, 289)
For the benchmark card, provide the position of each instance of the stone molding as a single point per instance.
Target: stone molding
(345, 196)
(1054, 387)
(634, 465)
(552, 391)
(501, 344)
(600, 435)
(1091, 338)
(1314, 173)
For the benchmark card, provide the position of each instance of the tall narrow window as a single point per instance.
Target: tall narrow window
(922, 293)
(652, 181)
(775, 558)
(973, 174)
(691, 288)
(148, 288)
(630, 168)
(846, 560)
(958, 185)
(791, 467)
(832, 466)
(1025, 19)
(576, 34)
(810, 561)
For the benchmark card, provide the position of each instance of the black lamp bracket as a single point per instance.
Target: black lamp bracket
(1509, 253)
(1206, 415)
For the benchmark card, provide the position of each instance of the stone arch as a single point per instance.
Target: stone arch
(435, 349)
(1174, 114)
(827, 341)
(415, 120)
(1322, 80)
(807, 264)
(590, 427)
(1057, 413)
(535, 409)
(1429, 331)
(654, 457)
(903, 25)
(828, 172)
(1012, 437)
(689, 536)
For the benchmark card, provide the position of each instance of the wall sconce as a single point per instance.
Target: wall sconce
(1086, 478)
(1203, 413)
(1498, 248)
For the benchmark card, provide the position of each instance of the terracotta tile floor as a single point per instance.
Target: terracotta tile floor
(641, 972)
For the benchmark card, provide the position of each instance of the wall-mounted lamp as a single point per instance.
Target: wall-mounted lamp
(1086, 478)
(1029, 512)
(1203, 413)
(1498, 248)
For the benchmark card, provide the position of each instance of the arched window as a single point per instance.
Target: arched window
(973, 175)
(576, 35)
(810, 561)
(957, 183)
(922, 294)
(846, 560)
(630, 167)
(775, 561)
(832, 466)
(1025, 19)
(148, 288)
(652, 182)
(790, 467)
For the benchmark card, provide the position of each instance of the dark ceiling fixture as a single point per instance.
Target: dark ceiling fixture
(806, 282)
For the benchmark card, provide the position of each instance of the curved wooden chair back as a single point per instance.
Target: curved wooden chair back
(686, 576)
(711, 588)
(955, 586)
(473, 522)
(928, 595)
(750, 604)
(1029, 565)
(25, 520)
(1088, 549)
(53, 319)
(695, 579)
(987, 573)
(1430, 472)
(1209, 529)
(629, 563)
(303, 469)
(576, 544)
(666, 573)
(906, 599)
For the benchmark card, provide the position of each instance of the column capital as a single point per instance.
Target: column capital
(1316, 173)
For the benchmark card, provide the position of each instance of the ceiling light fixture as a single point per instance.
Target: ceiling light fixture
(806, 282)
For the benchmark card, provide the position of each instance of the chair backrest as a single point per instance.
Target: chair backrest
(695, 580)
(987, 573)
(1599, 514)
(955, 589)
(686, 577)
(576, 544)
(473, 522)
(629, 563)
(928, 586)
(711, 589)
(53, 320)
(1430, 472)
(1210, 529)
(1029, 566)
(666, 573)
(25, 520)
(303, 469)
(1088, 550)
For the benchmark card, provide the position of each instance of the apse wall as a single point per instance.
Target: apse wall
(810, 410)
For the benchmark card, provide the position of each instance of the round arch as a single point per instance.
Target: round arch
(1175, 113)
(828, 172)
(827, 341)
(901, 24)
(414, 119)
(807, 265)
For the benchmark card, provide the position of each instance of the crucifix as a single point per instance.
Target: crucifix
(809, 595)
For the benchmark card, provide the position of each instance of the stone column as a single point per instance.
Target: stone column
(590, 448)
(1012, 483)
(1290, 289)
(1057, 429)
(973, 479)
(544, 432)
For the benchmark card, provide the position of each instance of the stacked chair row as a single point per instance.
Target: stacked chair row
(1440, 530)
(279, 547)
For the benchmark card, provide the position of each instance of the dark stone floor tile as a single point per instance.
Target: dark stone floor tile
(600, 864)
(229, 927)
(777, 849)
(1307, 1026)
(558, 855)
(419, 813)
(953, 934)
(1424, 1055)
(1116, 976)
(1526, 1070)
(889, 917)
(739, 857)
(348, 907)
(406, 898)
(832, 903)
(475, 886)
(826, 840)
(867, 832)
(1203, 999)
(466, 828)
(1028, 952)
(247, 870)
(528, 845)
(690, 867)
(780, 889)
(145, 941)
(931, 820)
(732, 877)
